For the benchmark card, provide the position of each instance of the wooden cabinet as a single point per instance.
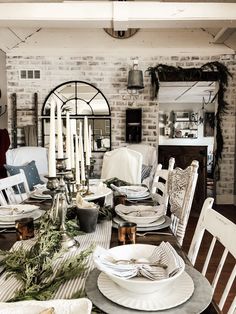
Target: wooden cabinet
(184, 155)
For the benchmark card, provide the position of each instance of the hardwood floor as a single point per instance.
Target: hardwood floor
(228, 211)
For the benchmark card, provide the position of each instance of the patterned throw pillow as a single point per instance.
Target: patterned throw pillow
(146, 170)
(31, 173)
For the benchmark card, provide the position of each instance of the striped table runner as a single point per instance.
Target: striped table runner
(102, 237)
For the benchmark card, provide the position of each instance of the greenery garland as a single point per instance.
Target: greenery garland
(222, 75)
(33, 267)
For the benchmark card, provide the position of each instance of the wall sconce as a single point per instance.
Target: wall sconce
(135, 79)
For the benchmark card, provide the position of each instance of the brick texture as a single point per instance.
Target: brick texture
(109, 74)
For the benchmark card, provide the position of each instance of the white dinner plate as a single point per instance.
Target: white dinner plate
(81, 305)
(133, 191)
(11, 214)
(36, 214)
(156, 225)
(178, 292)
(97, 192)
(142, 197)
(40, 196)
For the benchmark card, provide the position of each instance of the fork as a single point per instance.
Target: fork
(152, 232)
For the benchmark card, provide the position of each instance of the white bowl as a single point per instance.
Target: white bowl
(140, 285)
(140, 214)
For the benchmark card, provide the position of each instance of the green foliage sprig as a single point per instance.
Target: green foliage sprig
(222, 75)
(34, 267)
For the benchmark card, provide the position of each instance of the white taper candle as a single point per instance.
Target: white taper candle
(77, 166)
(68, 141)
(52, 142)
(86, 142)
(59, 132)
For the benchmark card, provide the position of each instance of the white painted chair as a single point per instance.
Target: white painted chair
(14, 189)
(160, 182)
(124, 164)
(23, 155)
(149, 154)
(223, 231)
(181, 189)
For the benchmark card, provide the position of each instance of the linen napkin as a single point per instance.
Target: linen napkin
(140, 210)
(163, 254)
(10, 210)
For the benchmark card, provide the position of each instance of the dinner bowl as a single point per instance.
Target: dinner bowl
(142, 253)
(140, 214)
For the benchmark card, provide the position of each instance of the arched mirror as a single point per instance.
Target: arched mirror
(81, 99)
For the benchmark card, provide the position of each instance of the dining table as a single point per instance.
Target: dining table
(8, 239)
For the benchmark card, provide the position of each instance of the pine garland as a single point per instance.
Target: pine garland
(33, 268)
(188, 74)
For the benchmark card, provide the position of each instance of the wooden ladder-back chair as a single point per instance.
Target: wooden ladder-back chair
(223, 231)
(181, 189)
(159, 187)
(14, 189)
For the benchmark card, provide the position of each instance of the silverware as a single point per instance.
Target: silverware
(152, 232)
(133, 261)
(3, 230)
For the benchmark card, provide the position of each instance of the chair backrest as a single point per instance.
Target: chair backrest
(22, 155)
(181, 189)
(160, 182)
(14, 189)
(223, 231)
(149, 154)
(123, 163)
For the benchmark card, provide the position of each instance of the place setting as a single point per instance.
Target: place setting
(143, 278)
(10, 213)
(147, 218)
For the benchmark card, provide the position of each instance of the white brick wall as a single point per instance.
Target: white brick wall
(109, 74)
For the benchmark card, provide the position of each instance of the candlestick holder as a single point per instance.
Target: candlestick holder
(52, 186)
(67, 242)
(87, 191)
(61, 164)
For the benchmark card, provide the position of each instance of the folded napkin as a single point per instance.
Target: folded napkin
(10, 210)
(140, 210)
(163, 254)
(81, 203)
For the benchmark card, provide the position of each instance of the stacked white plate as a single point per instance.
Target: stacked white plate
(134, 192)
(38, 193)
(10, 213)
(140, 214)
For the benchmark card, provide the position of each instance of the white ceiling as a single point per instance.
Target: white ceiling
(29, 25)
(187, 92)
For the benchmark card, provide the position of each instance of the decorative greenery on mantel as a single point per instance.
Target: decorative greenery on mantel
(211, 71)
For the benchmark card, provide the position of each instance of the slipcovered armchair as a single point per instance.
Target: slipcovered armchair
(149, 163)
(22, 156)
(124, 164)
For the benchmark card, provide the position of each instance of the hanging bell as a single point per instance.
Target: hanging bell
(135, 80)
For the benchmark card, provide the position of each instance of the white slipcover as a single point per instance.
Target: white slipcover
(23, 155)
(124, 164)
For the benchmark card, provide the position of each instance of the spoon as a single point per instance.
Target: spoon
(134, 261)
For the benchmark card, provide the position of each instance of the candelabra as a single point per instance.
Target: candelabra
(58, 189)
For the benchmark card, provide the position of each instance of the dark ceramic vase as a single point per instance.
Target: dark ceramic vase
(87, 219)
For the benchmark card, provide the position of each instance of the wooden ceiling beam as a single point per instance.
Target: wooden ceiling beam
(118, 14)
(223, 35)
